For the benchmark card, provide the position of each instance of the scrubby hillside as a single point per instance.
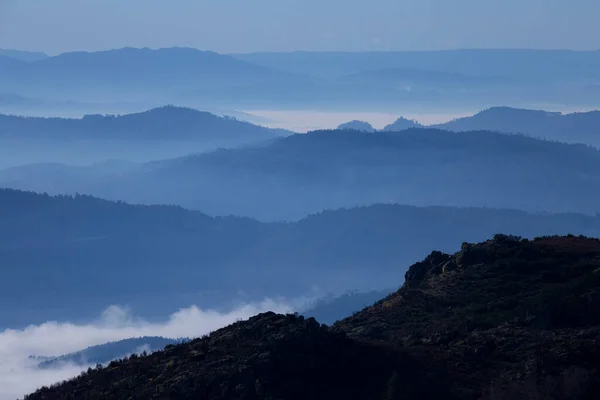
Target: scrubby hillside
(505, 319)
(269, 356)
(508, 316)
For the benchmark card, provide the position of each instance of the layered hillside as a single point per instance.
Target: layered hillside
(401, 124)
(578, 127)
(159, 133)
(504, 319)
(510, 317)
(356, 126)
(307, 173)
(130, 73)
(157, 258)
(23, 55)
(269, 356)
(165, 123)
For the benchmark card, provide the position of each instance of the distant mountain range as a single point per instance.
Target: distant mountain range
(402, 124)
(292, 80)
(164, 123)
(357, 126)
(23, 55)
(130, 73)
(507, 318)
(414, 79)
(327, 310)
(330, 309)
(9, 64)
(181, 123)
(290, 177)
(137, 255)
(577, 127)
(536, 65)
(14, 100)
(163, 132)
(105, 353)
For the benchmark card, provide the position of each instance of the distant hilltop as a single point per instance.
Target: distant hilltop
(168, 123)
(577, 127)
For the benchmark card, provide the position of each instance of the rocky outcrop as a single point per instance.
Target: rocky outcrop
(500, 314)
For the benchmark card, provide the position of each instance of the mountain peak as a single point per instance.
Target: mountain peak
(505, 318)
(511, 111)
(168, 122)
(402, 124)
(139, 51)
(26, 56)
(482, 308)
(357, 126)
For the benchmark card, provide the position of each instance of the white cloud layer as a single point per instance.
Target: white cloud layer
(19, 376)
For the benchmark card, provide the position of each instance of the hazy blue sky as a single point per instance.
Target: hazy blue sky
(275, 25)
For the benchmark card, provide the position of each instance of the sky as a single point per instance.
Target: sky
(226, 26)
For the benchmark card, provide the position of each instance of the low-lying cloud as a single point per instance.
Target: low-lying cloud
(19, 375)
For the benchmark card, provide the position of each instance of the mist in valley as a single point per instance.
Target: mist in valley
(20, 371)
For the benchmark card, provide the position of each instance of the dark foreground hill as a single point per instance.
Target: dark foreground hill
(503, 319)
(515, 318)
(269, 356)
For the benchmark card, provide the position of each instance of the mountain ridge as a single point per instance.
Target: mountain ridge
(106, 352)
(133, 74)
(27, 56)
(251, 359)
(179, 122)
(332, 169)
(576, 127)
(301, 80)
(490, 62)
(509, 300)
(441, 335)
(137, 254)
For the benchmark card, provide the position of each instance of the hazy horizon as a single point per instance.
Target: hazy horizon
(457, 49)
